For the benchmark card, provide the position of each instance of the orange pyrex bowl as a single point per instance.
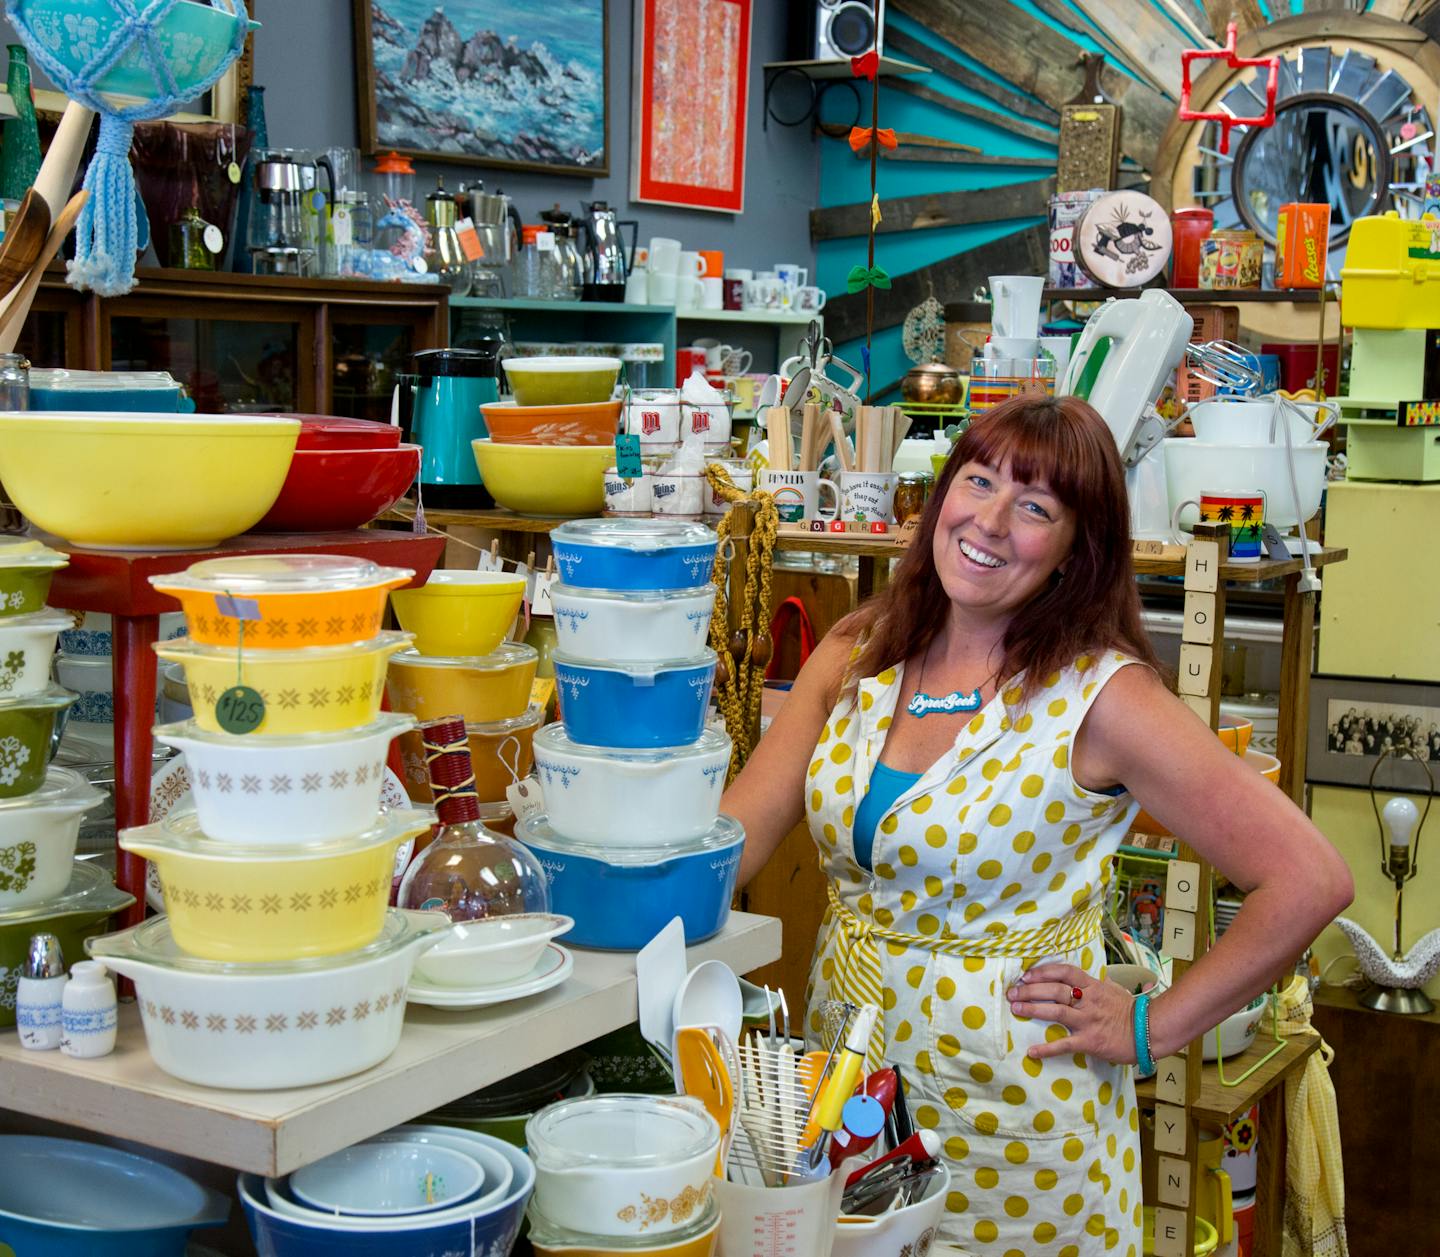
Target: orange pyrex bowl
(480, 688)
(284, 601)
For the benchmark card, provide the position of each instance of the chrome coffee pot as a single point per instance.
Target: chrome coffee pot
(606, 263)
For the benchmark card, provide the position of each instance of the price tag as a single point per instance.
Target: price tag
(545, 241)
(214, 238)
(469, 239)
(237, 608)
(240, 710)
(490, 562)
(540, 604)
(525, 798)
(340, 226)
(420, 265)
(627, 456)
(232, 172)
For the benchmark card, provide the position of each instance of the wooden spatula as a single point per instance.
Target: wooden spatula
(17, 303)
(24, 238)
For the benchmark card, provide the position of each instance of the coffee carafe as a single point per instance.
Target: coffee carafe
(606, 264)
(497, 224)
(281, 242)
(567, 252)
(438, 407)
(443, 255)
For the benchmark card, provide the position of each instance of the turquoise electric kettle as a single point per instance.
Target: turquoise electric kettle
(438, 407)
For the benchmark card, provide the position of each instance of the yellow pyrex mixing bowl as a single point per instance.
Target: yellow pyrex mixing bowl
(236, 903)
(481, 689)
(144, 482)
(545, 480)
(320, 690)
(460, 612)
(299, 599)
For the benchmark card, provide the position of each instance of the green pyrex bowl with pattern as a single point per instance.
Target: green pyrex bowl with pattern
(27, 738)
(82, 911)
(26, 569)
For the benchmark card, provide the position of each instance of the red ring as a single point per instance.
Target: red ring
(1076, 995)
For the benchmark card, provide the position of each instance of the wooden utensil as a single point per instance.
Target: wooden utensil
(24, 238)
(901, 431)
(809, 437)
(17, 304)
(777, 431)
(62, 158)
(843, 449)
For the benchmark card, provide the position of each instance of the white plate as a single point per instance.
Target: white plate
(555, 966)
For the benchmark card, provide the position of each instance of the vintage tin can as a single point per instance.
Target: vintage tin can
(1302, 243)
(1231, 259)
(1066, 210)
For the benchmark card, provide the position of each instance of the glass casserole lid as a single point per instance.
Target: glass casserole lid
(505, 655)
(281, 574)
(180, 833)
(151, 943)
(553, 739)
(706, 659)
(392, 723)
(620, 1132)
(90, 891)
(183, 648)
(63, 788)
(51, 698)
(535, 829)
(27, 552)
(647, 596)
(635, 534)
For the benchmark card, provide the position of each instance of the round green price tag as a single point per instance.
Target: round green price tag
(240, 709)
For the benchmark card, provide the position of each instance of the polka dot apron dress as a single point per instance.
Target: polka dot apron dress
(992, 862)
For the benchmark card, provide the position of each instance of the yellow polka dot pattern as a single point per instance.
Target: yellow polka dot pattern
(975, 870)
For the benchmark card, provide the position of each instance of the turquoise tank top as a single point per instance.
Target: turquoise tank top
(886, 785)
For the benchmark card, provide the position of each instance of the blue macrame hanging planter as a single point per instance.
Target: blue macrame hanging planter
(165, 52)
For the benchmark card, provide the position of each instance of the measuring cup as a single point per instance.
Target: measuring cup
(793, 1221)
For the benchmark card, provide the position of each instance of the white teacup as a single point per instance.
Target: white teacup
(678, 495)
(868, 496)
(625, 495)
(742, 476)
(797, 494)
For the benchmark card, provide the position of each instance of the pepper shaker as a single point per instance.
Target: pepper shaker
(88, 1011)
(38, 995)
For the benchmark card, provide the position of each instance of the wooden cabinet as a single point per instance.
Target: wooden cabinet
(246, 342)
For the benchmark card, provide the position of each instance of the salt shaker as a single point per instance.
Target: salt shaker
(88, 1011)
(38, 995)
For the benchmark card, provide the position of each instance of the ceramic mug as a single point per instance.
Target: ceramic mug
(662, 288)
(792, 274)
(1015, 305)
(807, 299)
(764, 293)
(712, 293)
(735, 291)
(689, 291)
(664, 256)
(714, 263)
(1243, 511)
(797, 494)
(678, 495)
(691, 266)
(742, 476)
(868, 496)
(626, 496)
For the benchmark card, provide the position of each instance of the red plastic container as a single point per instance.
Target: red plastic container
(330, 490)
(1189, 228)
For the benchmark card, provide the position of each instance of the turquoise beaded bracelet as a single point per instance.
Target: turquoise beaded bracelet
(1144, 1062)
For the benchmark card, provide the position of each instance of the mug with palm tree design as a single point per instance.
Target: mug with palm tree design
(1243, 511)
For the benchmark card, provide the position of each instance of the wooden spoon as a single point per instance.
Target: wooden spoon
(24, 238)
(17, 304)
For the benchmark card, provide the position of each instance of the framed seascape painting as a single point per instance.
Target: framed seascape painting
(1354, 721)
(692, 74)
(486, 82)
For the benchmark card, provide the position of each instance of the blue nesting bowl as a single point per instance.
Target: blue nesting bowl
(620, 898)
(66, 1198)
(634, 554)
(634, 705)
(490, 1230)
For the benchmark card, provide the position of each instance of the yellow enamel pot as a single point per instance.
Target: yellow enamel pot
(144, 482)
(545, 480)
(247, 904)
(481, 689)
(460, 612)
(324, 689)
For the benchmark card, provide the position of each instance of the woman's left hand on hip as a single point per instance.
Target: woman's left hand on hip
(1097, 1014)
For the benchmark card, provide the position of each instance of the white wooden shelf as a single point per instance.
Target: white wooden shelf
(441, 1057)
(783, 318)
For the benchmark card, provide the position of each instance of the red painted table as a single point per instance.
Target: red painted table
(118, 582)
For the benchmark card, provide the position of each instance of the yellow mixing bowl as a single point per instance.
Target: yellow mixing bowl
(144, 482)
(481, 689)
(245, 904)
(460, 612)
(324, 689)
(545, 480)
(1266, 765)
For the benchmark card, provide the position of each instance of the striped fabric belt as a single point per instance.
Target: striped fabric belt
(859, 971)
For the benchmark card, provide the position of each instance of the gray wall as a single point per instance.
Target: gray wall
(305, 58)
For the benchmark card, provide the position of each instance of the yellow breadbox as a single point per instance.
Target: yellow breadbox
(321, 689)
(257, 904)
(1391, 276)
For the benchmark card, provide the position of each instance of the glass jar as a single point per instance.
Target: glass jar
(189, 250)
(537, 274)
(912, 491)
(14, 382)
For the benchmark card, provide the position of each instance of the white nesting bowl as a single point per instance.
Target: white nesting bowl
(633, 626)
(301, 788)
(1237, 422)
(38, 836)
(27, 644)
(1194, 467)
(490, 952)
(623, 1164)
(388, 1179)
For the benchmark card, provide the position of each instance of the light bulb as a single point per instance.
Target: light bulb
(1401, 817)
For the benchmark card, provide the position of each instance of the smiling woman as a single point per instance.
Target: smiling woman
(969, 749)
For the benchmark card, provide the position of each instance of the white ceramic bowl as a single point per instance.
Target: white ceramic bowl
(490, 952)
(632, 627)
(480, 1148)
(1233, 1035)
(89, 632)
(623, 1164)
(896, 1232)
(27, 644)
(1233, 422)
(594, 794)
(1195, 467)
(387, 1179)
(38, 835)
(266, 1027)
(304, 788)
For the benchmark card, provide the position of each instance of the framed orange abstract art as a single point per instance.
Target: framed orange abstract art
(692, 75)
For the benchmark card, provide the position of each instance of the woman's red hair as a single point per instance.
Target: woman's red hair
(1061, 442)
